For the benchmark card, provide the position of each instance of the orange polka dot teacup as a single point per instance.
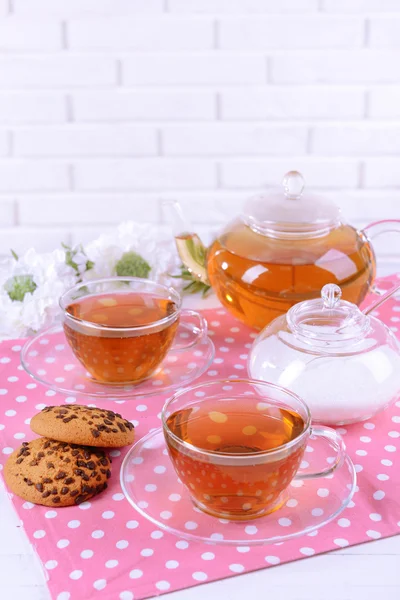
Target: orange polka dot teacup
(237, 444)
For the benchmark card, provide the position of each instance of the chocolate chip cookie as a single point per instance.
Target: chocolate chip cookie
(79, 424)
(56, 473)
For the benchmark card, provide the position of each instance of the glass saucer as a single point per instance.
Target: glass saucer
(48, 358)
(152, 487)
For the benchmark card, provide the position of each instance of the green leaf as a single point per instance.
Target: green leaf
(195, 285)
(15, 255)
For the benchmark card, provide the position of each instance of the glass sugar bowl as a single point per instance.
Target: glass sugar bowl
(344, 363)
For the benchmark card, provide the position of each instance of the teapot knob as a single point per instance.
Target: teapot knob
(293, 184)
(331, 294)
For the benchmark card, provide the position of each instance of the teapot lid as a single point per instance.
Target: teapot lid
(289, 212)
(328, 319)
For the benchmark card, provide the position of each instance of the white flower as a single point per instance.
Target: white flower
(39, 308)
(151, 243)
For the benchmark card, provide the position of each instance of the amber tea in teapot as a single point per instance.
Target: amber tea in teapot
(260, 279)
(282, 250)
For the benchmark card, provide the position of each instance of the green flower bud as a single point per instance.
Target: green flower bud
(132, 264)
(18, 286)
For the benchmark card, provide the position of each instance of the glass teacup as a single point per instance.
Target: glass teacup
(237, 445)
(121, 328)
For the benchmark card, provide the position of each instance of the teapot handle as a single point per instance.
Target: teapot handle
(371, 231)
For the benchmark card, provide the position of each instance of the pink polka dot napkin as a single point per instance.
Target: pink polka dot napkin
(105, 550)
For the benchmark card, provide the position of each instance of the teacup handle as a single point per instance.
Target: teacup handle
(199, 330)
(335, 441)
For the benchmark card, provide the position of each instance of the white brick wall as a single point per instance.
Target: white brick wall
(107, 107)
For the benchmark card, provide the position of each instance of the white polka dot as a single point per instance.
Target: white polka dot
(135, 574)
(159, 469)
(317, 512)
(156, 535)
(51, 564)
(382, 477)
(87, 553)
(12, 379)
(174, 497)
(163, 585)
(100, 584)
(292, 503)
(365, 439)
(390, 448)
(182, 545)
(394, 434)
(7, 450)
(150, 487)
(147, 552)
(115, 453)
(4, 360)
(62, 543)
(118, 497)
(272, 560)
(208, 556)
(250, 529)
(19, 436)
(344, 523)
(74, 524)
(323, 492)
(10, 413)
(361, 452)
(379, 495)
(76, 574)
(143, 504)
(369, 426)
(3, 392)
(31, 386)
(375, 517)
(307, 551)
(236, 568)
(64, 596)
(375, 535)
(358, 468)
(191, 525)
(341, 542)
(141, 407)
(97, 534)
(111, 564)
(165, 514)
(108, 514)
(199, 576)
(132, 524)
(40, 406)
(28, 505)
(122, 544)
(172, 564)
(39, 534)
(284, 522)
(50, 514)
(386, 462)
(243, 549)
(396, 419)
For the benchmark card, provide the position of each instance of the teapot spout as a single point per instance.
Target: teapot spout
(191, 249)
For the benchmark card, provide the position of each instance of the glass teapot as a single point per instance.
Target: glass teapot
(284, 247)
(344, 363)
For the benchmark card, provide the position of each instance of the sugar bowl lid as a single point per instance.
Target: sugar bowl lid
(328, 320)
(290, 212)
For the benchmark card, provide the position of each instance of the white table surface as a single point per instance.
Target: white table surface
(364, 572)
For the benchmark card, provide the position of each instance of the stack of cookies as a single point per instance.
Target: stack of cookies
(69, 465)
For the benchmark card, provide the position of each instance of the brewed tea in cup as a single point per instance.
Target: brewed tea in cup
(237, 444)
(121, 329)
